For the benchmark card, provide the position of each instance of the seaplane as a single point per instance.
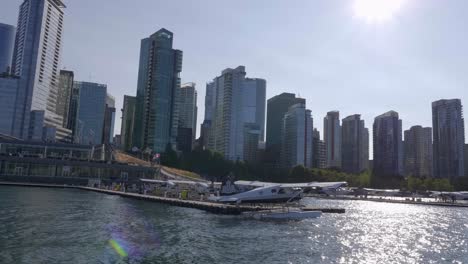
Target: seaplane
(268, 192)
(463, 196)
(252, 191)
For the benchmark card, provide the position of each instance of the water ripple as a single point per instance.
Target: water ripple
(69, 226)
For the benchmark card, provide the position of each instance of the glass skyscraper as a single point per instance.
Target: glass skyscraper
(388, 145)
(156, 116)
(36, 60)
(187, 116)
(90, 113)
(239, 104)
(449, 138)
(128, 119)
(297, 137)
(7, 43)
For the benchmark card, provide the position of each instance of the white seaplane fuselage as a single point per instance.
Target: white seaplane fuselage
(262, 192)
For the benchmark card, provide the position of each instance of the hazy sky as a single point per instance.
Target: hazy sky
(317, 49)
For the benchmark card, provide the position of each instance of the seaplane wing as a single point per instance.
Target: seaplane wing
(323, 185)
(175, 182)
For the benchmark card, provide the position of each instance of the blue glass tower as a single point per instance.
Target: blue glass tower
(156, 113)
(90, 113)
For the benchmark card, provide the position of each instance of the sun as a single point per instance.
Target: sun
(377, 10)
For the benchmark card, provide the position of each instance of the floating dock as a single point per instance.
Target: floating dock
(217, 208)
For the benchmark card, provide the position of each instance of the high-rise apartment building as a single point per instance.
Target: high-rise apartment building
(355, 145)
(388, 145)
(157, 112)
(91, 112)
(332, 138)
(109, 120)
(128, 117)
(296, 137)
(7, 43)
(239, 103)
(210, 104)
(319, 157)
(36, 60)
(466, 160)
(418, 151)
(187, 115)
(449, 138)
(64, 94)
(277, 107)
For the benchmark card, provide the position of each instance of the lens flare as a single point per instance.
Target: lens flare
(118, 248)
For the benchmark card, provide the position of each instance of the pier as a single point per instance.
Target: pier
(212, 207)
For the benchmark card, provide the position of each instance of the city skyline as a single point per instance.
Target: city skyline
(383, 69)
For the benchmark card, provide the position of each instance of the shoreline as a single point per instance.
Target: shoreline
(383, 200)
(216, 208)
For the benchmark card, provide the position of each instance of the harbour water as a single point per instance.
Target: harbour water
(40, 225)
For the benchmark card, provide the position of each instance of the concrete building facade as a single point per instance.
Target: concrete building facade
(64, 95)
(319, 157)
(237, 107)
(332, 139)
(418, 151)
(355, 145)
(36, 60)
(188, 111)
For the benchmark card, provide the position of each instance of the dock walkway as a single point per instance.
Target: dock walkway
(217, 208)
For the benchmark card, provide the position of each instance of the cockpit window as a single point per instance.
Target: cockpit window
(273, 190)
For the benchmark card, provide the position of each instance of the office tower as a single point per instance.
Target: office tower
(449, 138)
(252, 139)
(109, 119)
(7, 43)
(72, 110)
(388, 145)
(128, 119)
(254, 99)
(318, 151)
(466, 160)
(36, 60)
(296, 137)
(332, 138)
(156, 114)
(354, 145)
(239, 104)
(8, 89)
(418, 151)
(64, 95)
(117, 142)
(210, 104)
(187, 116)
(90, 113)
(277, 107)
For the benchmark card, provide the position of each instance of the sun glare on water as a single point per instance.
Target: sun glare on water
(375, 11)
